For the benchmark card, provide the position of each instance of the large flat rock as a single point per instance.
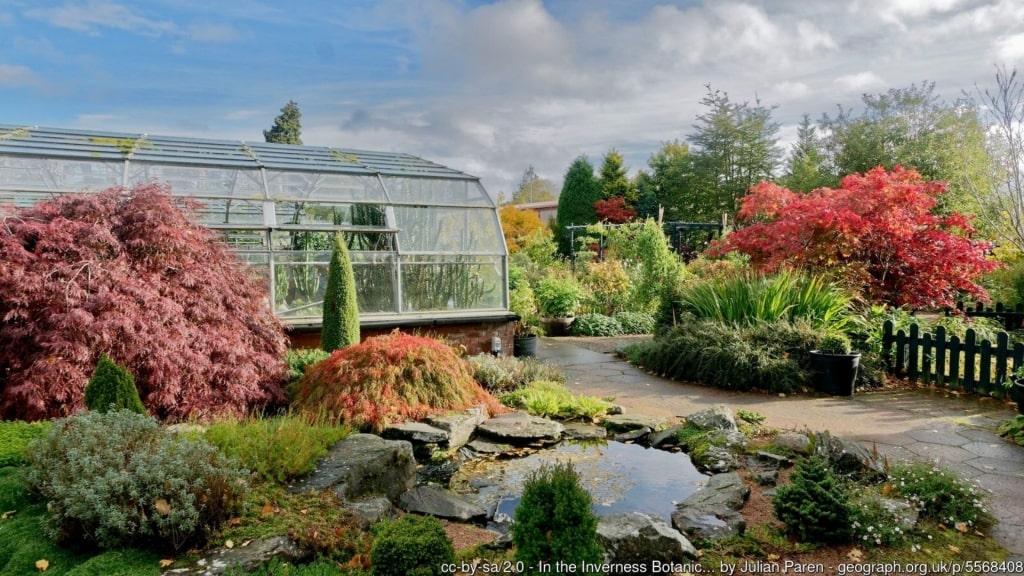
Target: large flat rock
(520, 428)
(436, 501)
(361, 466)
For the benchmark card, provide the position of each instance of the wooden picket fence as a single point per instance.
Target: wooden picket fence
(946, 362)
(1012, 318)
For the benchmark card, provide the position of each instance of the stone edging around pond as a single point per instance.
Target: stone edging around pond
(372, 472)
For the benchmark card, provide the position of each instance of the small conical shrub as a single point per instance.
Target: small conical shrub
(411, 546)
(112, 388)
(814, 507)
(341, 308)
(555, 521)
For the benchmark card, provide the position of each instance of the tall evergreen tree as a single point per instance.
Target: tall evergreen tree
(672, 178)
(615, 180)
(647, 197)
(807, 169)
(341, 307)
(576, 203)
(736, 148)
(287, 128)
(533, 188)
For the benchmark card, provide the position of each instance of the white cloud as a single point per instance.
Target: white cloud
(859, 82)
(1010, 49)
(92, 16)
(210, 32)
(811, 38)
(16, 76)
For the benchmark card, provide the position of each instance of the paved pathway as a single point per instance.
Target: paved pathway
(956, 431)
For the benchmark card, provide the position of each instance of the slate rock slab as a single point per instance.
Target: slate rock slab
(640, 538)
(718, 417)
(579, 431)
(619, 423)
(520, 428)
(459, 425)
(442, 503)
(249, 558)
(361, 466)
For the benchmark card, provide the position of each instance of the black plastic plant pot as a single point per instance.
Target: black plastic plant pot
(834, 374)
(1018, 394)
(524, 345)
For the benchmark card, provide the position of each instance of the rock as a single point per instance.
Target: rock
(847, 457)
(521, 428)
(579, 431)
(363, 465)
(438, 472)
(766, 477)
(794, 442)
(632, 436)
(248, 558)
(721, 491)
(371, 511)
(614, 410)
(666, 437)
(484, 447)
(770, 460)
(733, 440)
(639, 538)
(436, 501)
(416, 432)
(718, 417)
(628, 422)
(708, 525)
(711, 511)
(715, 460)
(459, 425)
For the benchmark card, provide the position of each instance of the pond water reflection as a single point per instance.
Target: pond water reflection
(620, 477)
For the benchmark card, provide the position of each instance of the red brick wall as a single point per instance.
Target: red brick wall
(475, 336)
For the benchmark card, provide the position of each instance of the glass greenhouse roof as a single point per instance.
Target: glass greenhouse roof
(426, 240)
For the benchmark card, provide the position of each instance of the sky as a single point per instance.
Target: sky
(486, 87)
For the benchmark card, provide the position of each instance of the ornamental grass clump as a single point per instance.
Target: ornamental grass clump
(814, 506)
(388, 379)
(118, 479)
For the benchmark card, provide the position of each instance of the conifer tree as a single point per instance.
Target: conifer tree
(576, 203)
(112, 388)
(341, 307)
(287, 128)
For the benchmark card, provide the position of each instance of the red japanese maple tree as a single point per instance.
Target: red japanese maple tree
(613, 210)
(129, 275)
(878, 233)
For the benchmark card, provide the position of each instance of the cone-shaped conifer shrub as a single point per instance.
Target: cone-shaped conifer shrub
(341, 308)
(555, 520)
(814, 507)
(387, 379)
(112, 388)
(131, 275)
(411, 546)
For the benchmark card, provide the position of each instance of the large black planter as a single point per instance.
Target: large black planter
(1018, 394)
(834, 374)
(524, 345)
(557, 326)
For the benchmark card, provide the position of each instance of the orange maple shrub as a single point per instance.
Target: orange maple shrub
(389, 379)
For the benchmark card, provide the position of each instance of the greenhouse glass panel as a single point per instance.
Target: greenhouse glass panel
(244, 239)
(320, 186)
(437, 191)
(452, 283)
(199, 181)
(224, 211)
(299, 282)
(324, 240)
(305, 213)
(424, 229)
(58, 174)
(375, 281)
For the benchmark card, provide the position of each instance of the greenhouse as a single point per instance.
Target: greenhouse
(425, 240)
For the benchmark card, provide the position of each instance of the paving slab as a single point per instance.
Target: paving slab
(956, 428)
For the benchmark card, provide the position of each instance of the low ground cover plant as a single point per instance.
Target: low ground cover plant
(277, 449)
(596, 325)
(554, 400)
(15, 436)
(299, 359)
(635, 322)
(388, 379)
(117, 479)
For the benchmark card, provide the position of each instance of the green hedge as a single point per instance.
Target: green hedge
(14, 438)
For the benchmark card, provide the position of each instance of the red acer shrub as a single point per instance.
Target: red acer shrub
(878, 232)
(388, 379)
(129, 275)
(613, 210)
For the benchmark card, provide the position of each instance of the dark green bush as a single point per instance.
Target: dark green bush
(15, 437)
(813, 506)
(112, 388)
(298, 359)
(596, 325)
(341, 307)
(635, 322)
(411, 546)
(555, 520)
(118, 479)
(769, 356)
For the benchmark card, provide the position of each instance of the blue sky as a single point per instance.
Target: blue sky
(484, 87)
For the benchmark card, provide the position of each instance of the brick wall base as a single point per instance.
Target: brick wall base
(475, 335)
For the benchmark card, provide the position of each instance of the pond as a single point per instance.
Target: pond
(619, 477)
